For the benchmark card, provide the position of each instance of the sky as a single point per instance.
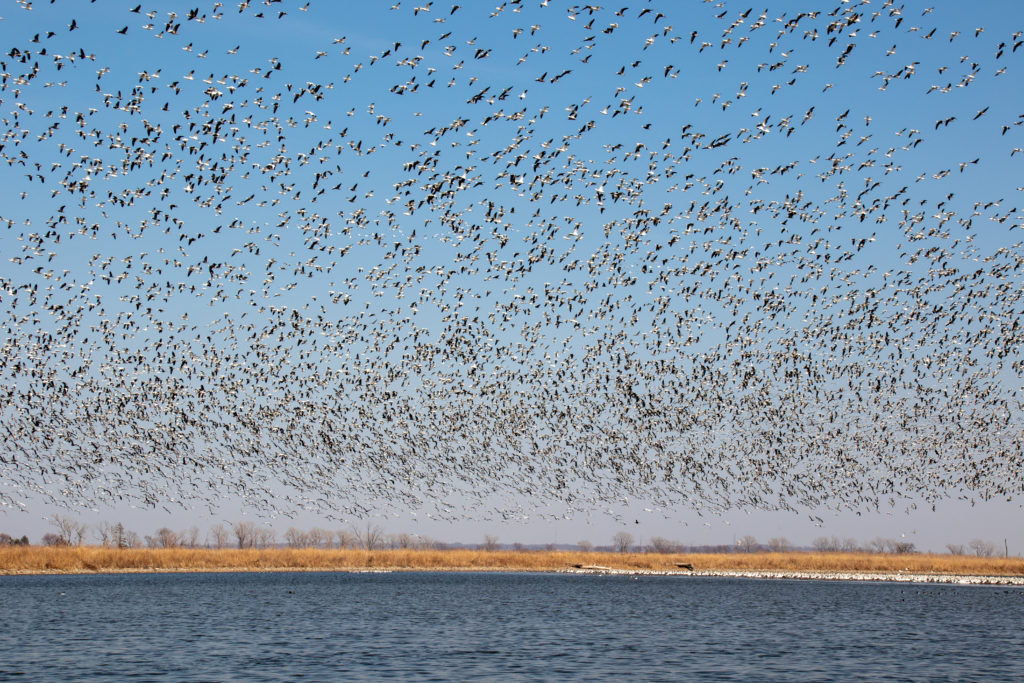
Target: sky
(479, 269)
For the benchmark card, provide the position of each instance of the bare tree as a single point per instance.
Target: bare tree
(370, 537)
(71, 530)
(104, 534)
(490, 543)
(219, 536)
(165, 538)
(834, 544)
(346, 539)
(7, 539)
(130, 539)
(779, 544)
(264, 537)
(115, 535)
(428, 543)
(52, 539)
(189, 537)
(903, 547)
(824, 544)
(879, 545)
(663, 545)
(585, 546)
(622, 541)
(320, 538)
(748, 544)
(294, 538)
(245, 533)
(849, 545)
(401, 541)
(982, 548)
(955, 548)
(123, 539)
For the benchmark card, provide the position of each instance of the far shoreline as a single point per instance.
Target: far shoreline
(832, 576)
(859, 567)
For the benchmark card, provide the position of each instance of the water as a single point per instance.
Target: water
(486, 626)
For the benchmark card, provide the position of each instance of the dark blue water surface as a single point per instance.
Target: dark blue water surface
(487, 626)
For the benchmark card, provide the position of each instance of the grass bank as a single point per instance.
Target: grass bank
(86, 559)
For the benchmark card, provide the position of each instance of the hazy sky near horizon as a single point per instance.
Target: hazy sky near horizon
(952, 522)
(540, 270)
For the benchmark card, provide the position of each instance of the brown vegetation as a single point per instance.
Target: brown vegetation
(36, 559)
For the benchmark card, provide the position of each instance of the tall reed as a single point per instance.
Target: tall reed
(31, 559)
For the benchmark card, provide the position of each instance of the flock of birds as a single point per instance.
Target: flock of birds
(494, 258)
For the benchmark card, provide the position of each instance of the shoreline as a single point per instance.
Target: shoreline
(760, 574)
(818, 575)
(921, 568)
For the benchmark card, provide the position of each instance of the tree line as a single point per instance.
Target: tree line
(369, 536)
(624, 541)
(242, 534)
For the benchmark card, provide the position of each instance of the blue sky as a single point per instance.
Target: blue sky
(385, 257)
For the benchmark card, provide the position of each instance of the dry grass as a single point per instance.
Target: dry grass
(862, 562)
(37, 559)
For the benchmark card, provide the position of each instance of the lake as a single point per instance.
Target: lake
(498, 626)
